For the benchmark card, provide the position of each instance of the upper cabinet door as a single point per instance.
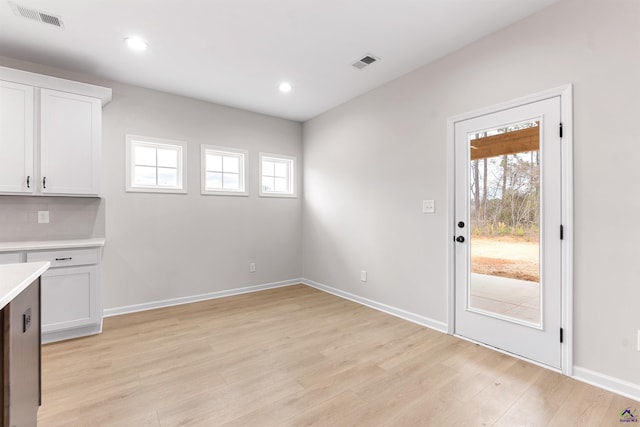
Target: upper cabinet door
(16, 138)
(70, 132)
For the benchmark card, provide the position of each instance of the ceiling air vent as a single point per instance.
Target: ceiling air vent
(36, 15)
(365, 60)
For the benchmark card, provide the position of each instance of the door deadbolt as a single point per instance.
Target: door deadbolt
(461, 224)
(460, 239)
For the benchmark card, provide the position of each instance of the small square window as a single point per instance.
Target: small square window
(277, 175)
(223, 171)
(155, 165)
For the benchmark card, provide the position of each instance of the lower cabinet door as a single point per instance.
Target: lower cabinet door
(69, 298)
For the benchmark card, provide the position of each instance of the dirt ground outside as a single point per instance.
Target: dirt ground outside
(506, 256)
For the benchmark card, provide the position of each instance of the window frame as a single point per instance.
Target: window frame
(243, 175)
(133, 141)
(291, 160)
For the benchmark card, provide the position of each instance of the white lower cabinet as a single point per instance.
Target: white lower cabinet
(67, 299)
(70, 291)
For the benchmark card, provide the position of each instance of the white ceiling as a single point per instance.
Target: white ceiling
(236, 52)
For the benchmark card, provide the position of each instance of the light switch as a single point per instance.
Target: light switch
(428, 206)
(43, 217)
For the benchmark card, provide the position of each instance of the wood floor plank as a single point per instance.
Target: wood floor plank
(587, 406)
(297, 356)
(541, 402)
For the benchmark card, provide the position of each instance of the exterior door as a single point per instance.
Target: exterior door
(508, 253)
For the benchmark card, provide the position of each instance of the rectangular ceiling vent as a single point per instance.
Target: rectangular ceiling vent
(36, 15)
(366, 60)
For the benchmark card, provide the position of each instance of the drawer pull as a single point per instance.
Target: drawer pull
(64, 259)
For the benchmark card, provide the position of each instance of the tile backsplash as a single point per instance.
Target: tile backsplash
(69, 218)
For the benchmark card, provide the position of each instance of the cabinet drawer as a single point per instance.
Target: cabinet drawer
(66, 257)
(10, 258)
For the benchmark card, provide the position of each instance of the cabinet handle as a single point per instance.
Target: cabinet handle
(64, 259)
(44, 182)
(28, 181)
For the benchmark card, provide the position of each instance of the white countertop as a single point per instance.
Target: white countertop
(14, 278)
(51, 244)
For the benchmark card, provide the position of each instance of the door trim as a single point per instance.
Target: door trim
(566, 117)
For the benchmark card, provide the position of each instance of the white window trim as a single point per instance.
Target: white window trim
(181, 188)
(293, 180)
(244, 171)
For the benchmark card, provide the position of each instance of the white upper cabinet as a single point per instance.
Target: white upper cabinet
(70, 130)
(16, 138)
(52, 146)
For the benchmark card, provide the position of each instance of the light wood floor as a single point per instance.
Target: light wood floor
(297, 356)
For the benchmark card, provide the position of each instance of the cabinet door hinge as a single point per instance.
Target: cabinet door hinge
(561, 232)
(561, 335)
(560, 130)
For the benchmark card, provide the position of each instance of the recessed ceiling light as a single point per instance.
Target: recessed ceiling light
(136, 43)
(285, 87)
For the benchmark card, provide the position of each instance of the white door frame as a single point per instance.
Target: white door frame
(566, 118)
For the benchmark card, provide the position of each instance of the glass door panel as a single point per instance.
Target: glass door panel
(504, 213)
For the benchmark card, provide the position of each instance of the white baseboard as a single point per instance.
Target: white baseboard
(67, 334)
(397, 312)
(612, 384)
(195, 298)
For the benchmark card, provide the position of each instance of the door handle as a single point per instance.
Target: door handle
(460, 239)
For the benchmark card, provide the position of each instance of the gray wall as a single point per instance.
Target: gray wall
(165, 246)
(370, 162)
(162, 246)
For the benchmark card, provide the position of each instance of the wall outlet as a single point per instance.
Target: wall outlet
(43, 217)
(363, 275)
(252, 267)
(428, 206)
